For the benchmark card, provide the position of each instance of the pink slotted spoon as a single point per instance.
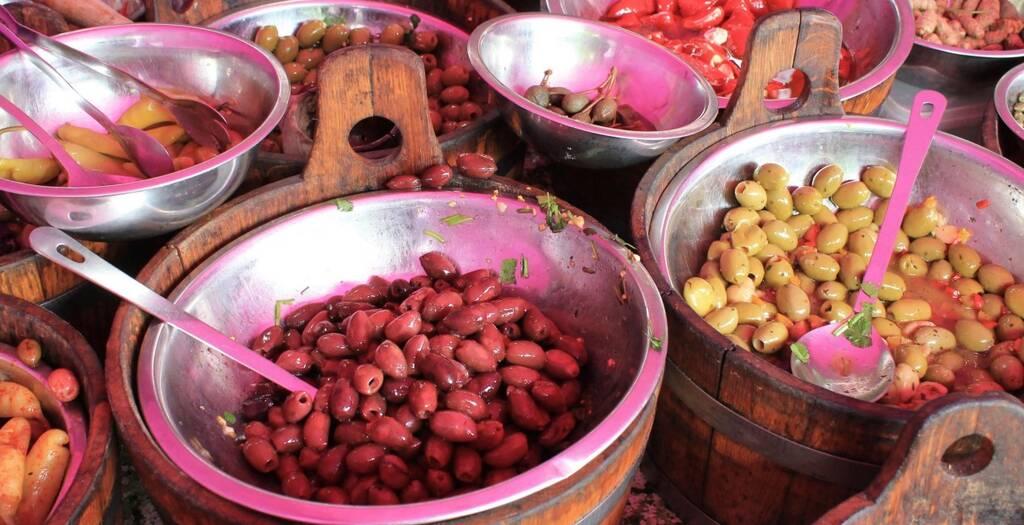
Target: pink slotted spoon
(833, 361)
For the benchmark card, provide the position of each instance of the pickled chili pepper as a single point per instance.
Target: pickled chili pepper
(629, 7)
(695, 7)
(739, 26)
(665, 6)
(702, 21)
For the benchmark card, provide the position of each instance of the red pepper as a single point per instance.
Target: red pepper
(759, 8)
(665, 6)
(977, 302)
(739, 26)
(988, 324)
(629, 21)
(622, 8)
(780, 5)
(702, 21)
(982, 204)
(695, 7)
(845, 66)
(734, 6)
(798, 330)
(664, 22)
(812, 233)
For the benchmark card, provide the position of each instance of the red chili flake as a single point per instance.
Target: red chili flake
(988, 324)
(956, 277)
(798, 330)
(983, 203)
(976, 301)
(812, 233)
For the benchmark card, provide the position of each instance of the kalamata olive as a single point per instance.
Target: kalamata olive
(490, 434)
(483, 289)
(275, 417)
(469, 403)
(415, 492)
(518, 375)
(404, 182)
(455, 427)
(439, 305)
(415, 300)
(525, 353)
(292, 338)
(287, 439)
(316, 327)
(467, 465)
(466, 321)
(537, 326)
(429, 61)
(451, 112)
(437, 452)
(359, 331)
(497, 410)
(438, 266)
(367, 379)
(444, 344)
(469, 111)
(256, 429)
(476, 358)
(449, 126)
(269, 341)
(297, 406)
(364, 293)
(486, 385)
(333, 345)
(372, 406)
(512, 449)
(476, 165)
(295, 361)
(524, 411)
(396, 390)
(549, 396)
(423, 399)
(344, 401)
(288, 463)
(560, 365)
(436, 176)
(446, 373)
(423, 41)
(572, 391)
(316, 431)
(388, 357)
(454, 94)
(340, 309)
(260, 454)
(434, 84)
(332, 495)
(364, 458)
(309, 458)
(389, 432)
(414, 350)
(558, 430)
(439, 483)
(393, 472)
(352, 433)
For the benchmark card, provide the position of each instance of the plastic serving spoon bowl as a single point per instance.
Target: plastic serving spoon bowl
(58, 247)
(833, 361)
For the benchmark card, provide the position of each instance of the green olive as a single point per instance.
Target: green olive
(720, 296)
(764, 217)
(749, 238)
(780, 203)
(724, 319)
(267, 38)
(885, 327)
(741, 292)
(965, 260)
(916, 357)
(912, 265)
(755, 270)
(973, 335)
(951, 360)
(831, 291)
(737, 217)
(800, 224)
(310, 33)
(770, 337)
(769, 251)
(835, 310)
(808, 200)
(806, 284)
(753, 313)
(751, 195)
(392, 34)
(991, 306)
(771, 176)
(966, 288)
(793, 302)
(941, 271)
(827, 180)
(733, 265)
(781, 234)
(855, 218)
(892, 288)
(832, 238)
(994, 278)
(862, 242)
(920, 220)
(902, 243)
(825, 216)
(698, 295)
(360, 35)
(1013, 296)
(851, 195)
(335, 38)
(928, 248)
(851, 270)
(819, 266)
(906, 310)
(778, 273)
(296, 72)
(1010, 327)
(879, 180)
(940, 374)
(1008, 371)
(880, 209)
(710, 269)
(935, 338)
(716, 249)
(310, 58)
(287, 49)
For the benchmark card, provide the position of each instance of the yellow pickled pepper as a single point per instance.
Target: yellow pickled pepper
(146, 113)
(31, 171)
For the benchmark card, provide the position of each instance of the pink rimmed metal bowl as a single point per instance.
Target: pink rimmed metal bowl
(203, 62)
(512, 52)
(1009, 88)
(575, 276)
(878, 33)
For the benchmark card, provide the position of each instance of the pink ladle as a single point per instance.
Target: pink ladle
(833, 361)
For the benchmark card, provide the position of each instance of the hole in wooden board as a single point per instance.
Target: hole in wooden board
(375, 138)
(968, 455)
(786, 91)
(70, 254)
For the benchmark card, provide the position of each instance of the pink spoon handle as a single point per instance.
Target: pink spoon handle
(41, 135)
(916, 142)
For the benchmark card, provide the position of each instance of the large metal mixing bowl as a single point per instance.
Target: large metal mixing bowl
(512, 52)
(200, 61)
(574, 276)
(1007, 90)
(878, 33)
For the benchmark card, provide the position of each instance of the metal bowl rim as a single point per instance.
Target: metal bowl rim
(548, 473)
(702, 121)
(249, 143)
(658, 219)
(1001, 97)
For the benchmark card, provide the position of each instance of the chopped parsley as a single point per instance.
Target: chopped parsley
(457, 219)
(800, 352)
(343, 204)
(508, 271)
(277, 308)
(434, 235)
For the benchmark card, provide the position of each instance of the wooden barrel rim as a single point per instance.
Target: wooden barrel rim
(40, 279)
(95, 475)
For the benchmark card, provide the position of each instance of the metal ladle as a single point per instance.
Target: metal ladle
(833, 361)
(149, 155)
(58, 247)
(204, 124)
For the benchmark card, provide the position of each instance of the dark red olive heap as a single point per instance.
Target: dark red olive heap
(429, 388)
(472, 165)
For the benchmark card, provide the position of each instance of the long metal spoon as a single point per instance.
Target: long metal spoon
(77, 175)
(58, 247)
(833, 361)
(149, 155)
(204, 124)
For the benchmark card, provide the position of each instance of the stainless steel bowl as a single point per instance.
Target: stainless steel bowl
(315, 252)
(512, 52)
(201, 61)
(1007, 91)
(878, 33)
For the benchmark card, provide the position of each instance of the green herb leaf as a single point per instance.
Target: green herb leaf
(229, 418)
(434, 235)
(869, 289)
(526, 267)
(655, 342)
(800, 351)
(508, 271)
(552, 212)
(277, 308)
(457, 219)
(334, 20)
(621, 242)
(343, 204)
(857, 329)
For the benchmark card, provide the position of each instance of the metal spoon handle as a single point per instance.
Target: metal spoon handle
(58, 247)
(43, 137)
(921, 129)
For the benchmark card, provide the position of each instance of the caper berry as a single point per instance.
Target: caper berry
(574, 103)
(539, 95)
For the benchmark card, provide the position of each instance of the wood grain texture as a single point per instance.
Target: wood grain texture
(870, 101)
(729, 481)
(28, 276)
(91, 491)
(918, 485)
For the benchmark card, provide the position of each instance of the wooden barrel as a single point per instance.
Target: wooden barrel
(594, 494)
(740, 438)
(91, 498)
(996, 137)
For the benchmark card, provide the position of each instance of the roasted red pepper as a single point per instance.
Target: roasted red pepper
(702, 21)
(845, 66)
(696, 7)
(622, 8)
(665, 6)
(739, 26)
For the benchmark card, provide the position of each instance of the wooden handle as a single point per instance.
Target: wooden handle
(806, 39)
(359, 82)
(928, 479)
(86, 13)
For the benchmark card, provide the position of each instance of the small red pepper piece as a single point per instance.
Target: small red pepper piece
(982, 204)
(812, 233)
(622, 8)
(798, 330)
(977, 302)
(988, 324)
(702, 21)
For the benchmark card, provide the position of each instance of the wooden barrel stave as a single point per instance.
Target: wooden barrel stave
(869, 102)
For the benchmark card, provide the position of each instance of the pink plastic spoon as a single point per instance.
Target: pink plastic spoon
(833, 362)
